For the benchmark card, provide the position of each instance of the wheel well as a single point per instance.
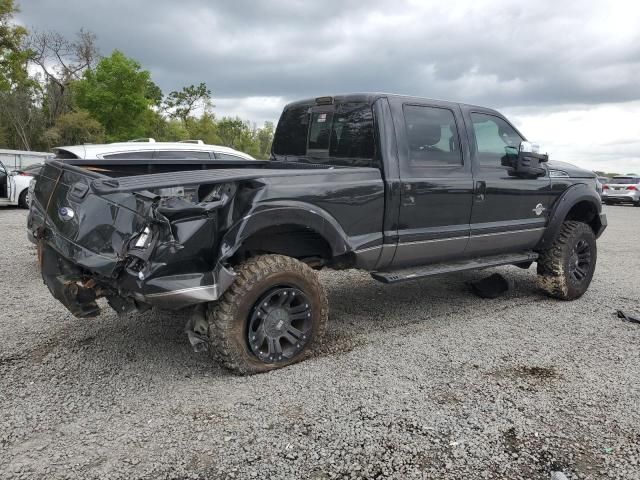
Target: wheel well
(294, 241)
(585, 212)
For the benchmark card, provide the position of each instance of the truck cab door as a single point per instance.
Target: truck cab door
(5, 184)
(436, 184)
(509, 211)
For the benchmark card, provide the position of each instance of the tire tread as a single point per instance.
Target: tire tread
(551, 275)
(222, 319)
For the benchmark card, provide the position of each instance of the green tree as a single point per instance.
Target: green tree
(21, 116)
(74, 128)
(182, 104)
(162, 129)
(119, 94)
(232, 132)
(204, 128)
(13, 55)
(265, 139)
(239, 134)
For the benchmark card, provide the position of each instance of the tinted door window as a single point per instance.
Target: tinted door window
(182, 155)
(146, 155)
(352, 132)
(432, 136)
(493, 136)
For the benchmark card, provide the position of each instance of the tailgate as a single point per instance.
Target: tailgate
(92, 229)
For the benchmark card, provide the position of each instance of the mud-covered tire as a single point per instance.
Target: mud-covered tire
(229, 318)
(560, 271)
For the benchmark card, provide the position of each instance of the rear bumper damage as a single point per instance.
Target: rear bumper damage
(78, 288)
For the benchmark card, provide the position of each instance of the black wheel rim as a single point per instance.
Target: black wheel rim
(280, 325)
(580, 261)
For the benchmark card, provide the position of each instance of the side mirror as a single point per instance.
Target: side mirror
(525, 160)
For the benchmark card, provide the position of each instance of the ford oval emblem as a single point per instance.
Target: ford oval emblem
(65, 213)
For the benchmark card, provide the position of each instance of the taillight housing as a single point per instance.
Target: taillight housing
(25, 174)
(632, 187)
(605, 187)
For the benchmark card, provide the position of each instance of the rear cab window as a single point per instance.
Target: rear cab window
(337, 134)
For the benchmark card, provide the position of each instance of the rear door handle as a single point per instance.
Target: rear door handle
(480, 190)
(408, 199)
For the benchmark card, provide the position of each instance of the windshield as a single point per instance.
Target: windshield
(625, 180)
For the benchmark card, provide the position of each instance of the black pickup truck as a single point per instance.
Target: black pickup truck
(399, 186)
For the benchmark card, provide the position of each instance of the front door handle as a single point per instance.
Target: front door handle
(480, 190)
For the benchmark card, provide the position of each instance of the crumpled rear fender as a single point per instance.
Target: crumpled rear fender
(285, 213)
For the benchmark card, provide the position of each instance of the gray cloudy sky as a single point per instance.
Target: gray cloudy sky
(567, 73)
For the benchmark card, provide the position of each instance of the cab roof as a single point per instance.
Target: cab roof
(371, 97)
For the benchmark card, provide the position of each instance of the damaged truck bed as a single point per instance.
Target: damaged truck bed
(163, 239)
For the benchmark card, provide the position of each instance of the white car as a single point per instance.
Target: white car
(622, 189)
(14, 187)
(149, 149)
(145, 150)
(17, 168)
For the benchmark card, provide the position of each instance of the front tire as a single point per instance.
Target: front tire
(565, 270)
(273, 315)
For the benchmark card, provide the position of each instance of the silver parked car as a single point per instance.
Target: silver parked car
(622, 189)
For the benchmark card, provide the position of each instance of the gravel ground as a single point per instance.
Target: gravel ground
(419, 380)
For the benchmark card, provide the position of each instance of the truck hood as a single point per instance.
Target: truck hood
(572, 170)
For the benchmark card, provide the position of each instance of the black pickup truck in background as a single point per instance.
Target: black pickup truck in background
(399, 186)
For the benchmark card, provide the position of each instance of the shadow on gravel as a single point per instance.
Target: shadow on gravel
(155, 341)
(357, 298)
